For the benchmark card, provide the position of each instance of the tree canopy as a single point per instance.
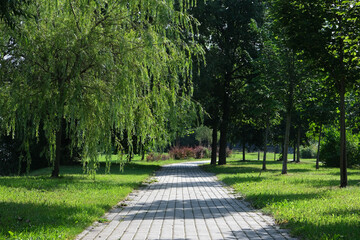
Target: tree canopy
(94, 67)
(327, 33)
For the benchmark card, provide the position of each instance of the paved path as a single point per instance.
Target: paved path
(184, 202)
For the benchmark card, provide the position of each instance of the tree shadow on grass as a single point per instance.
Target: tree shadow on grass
(73, 175)
(245, 169)
(46, 184)
(30, 218)
(324, 230)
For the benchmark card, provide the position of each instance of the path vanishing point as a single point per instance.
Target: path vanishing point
(184, 202)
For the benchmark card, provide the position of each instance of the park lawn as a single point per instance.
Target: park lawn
(307, 201)
(38, 207)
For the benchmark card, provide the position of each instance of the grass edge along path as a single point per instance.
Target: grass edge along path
(306, 201)
(38, 207)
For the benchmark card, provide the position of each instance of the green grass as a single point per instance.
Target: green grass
(307, 201)
(38, 207)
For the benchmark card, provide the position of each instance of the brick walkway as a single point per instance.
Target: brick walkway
(184, 202)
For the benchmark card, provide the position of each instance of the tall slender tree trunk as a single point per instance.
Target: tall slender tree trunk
(177, 141)
(142, 154)
(343, 160)
(58, 153)
(318, 148)
(130, 156)
(288, 112)
(298, 145)
(265, 144)
(259, 155)
(59, 134)
(294, 153)
(224, 122)
(286, 142)
(214, 145)
(243, 147)
(275, 150)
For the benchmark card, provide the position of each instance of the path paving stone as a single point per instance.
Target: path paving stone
(184, 202)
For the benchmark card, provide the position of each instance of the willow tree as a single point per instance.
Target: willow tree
(94, 68)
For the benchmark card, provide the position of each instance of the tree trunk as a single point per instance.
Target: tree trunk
(298, 145)
(275, 150)
(286, 142)
(243, 146)
(288, 112)
(224, 122)
(59, 133)
(58, 152)
(318, 149)
(343, 161)
(259, 155)
(142, 154)
(177, 141)
(223, 138)
(294, 155)
(214, 145)
(265, 145)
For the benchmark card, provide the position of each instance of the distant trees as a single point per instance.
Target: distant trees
(327, 33)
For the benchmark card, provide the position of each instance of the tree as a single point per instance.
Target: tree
(203, 134)
(94, 68)
(225, 31)
(10, 9)
(328, 34)
(265, 89)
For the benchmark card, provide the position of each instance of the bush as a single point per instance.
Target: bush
(308, 152)
(330, 148)
(181, 153)
(198, 152)
(151, 157)
(201, 152)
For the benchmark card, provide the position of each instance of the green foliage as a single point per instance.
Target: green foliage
(330, 148)
(203, 134)
(308, 151)
(9, 9)
(99, 66)
(308, 202)
(230, 42)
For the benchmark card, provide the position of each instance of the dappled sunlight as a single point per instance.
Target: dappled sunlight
(305, 199)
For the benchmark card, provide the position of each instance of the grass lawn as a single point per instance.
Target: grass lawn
(307, 201)
(38, 207)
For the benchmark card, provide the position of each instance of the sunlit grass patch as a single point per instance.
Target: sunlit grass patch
(39, 207)
(306, 200)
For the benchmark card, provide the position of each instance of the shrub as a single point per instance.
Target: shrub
(165, 157)
(201, 152)
(181, 153)
(189, 152)
(198, 152)
(308, 152)
(156, 157)
(330, 148)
